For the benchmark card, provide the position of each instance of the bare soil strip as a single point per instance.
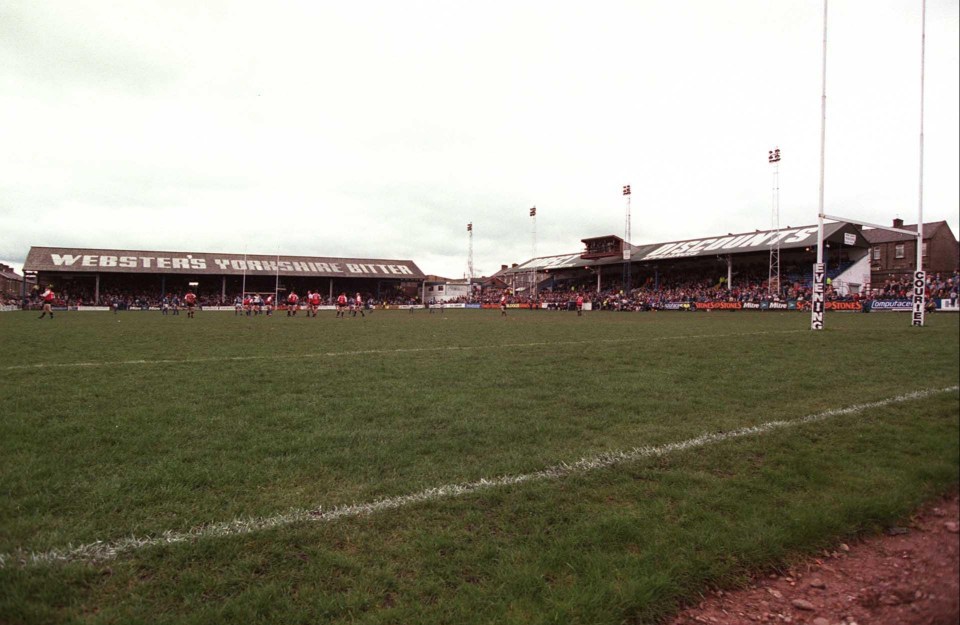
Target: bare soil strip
(910, 575)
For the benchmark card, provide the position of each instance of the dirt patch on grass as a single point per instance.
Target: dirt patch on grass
(910, 575)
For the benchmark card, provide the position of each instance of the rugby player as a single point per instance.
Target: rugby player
(191, 301)
(48, 298)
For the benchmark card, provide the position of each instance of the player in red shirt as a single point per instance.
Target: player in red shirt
(292, 303)
(579, 304)
(503, 305)
(358, 306)
(269, 304)
(342, 305)
(191, 301)
(47, 297)
(315, 302)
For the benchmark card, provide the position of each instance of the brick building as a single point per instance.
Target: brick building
(893, 255)
(11, 284)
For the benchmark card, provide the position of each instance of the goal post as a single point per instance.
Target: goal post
(918, 297)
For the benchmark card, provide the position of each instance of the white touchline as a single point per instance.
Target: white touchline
(400, 350)
(101, 550)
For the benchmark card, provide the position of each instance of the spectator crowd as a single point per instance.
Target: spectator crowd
(651, 294)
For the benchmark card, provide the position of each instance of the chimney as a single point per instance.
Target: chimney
(502, 267)
(516, 264)
(898, 223)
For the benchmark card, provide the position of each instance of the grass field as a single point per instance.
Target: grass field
(455, 468)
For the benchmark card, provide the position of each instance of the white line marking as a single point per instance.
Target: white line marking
(401, 350)
(100, 551)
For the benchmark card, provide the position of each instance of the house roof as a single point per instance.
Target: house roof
(11, 275)
(878, 235)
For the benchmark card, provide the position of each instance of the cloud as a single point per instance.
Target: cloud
(66, 46)
(339, 129)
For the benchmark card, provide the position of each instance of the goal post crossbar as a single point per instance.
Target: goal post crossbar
(912, 233)
(917, 297)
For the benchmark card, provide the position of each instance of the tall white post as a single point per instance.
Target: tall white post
(919, 277)
(819, 273)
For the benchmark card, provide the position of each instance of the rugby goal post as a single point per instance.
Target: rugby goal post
(918, 297)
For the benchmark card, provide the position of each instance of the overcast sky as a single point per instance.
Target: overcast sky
(380, 129)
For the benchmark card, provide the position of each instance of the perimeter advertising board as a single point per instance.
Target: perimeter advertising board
(919, 297)
(816, 318)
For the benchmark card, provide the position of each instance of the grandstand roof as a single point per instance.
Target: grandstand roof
(62, 260)
(743, 243)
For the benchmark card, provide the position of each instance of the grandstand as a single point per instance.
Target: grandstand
(729, 270)
(734, 260)
(96, 276)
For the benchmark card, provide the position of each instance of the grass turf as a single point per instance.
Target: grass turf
(136, 424)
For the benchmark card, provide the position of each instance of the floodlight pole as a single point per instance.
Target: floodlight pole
(819, 274)
(533, 273)
(243, 282)
(533, 231)
(276, 284)
(773, 275)
(470, 252)
(627, 235)
(919, 278)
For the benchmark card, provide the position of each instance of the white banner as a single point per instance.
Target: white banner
(816, 318)
(948, 305)
(919, 297)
